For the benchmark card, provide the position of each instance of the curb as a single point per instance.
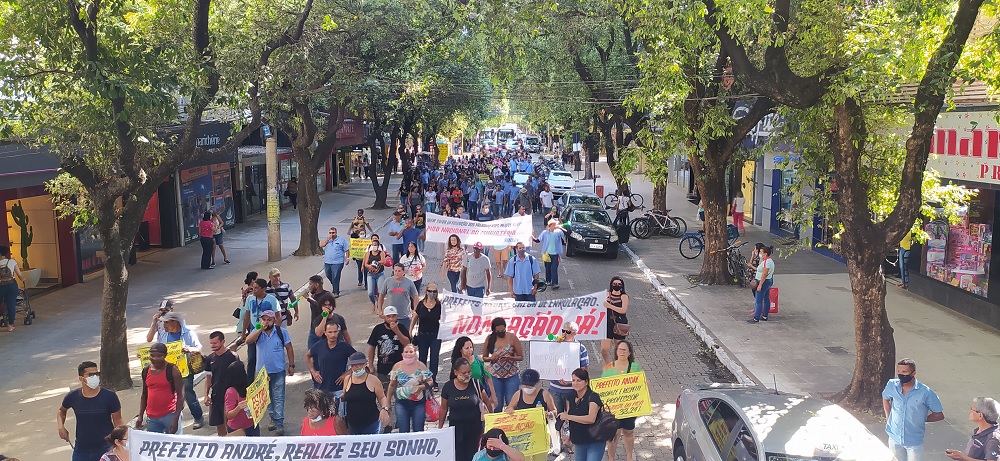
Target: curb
(731, 363)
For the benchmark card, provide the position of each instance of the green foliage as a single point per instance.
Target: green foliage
(71, 201)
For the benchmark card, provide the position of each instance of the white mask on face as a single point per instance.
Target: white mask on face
(93, 381)
(316, 419)
(528, 390)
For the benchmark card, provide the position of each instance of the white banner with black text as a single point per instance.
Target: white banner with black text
(507, 231)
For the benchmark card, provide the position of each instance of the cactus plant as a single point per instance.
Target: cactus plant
(27, 232)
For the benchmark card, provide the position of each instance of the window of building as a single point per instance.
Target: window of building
(959, 254)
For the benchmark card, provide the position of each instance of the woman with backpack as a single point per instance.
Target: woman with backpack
(9, 275)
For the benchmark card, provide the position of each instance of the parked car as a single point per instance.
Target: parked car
(732, 422)
(576, 198)
(561, 181)
(590, 231)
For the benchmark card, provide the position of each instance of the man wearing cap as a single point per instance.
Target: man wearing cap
(562, 391)
(522, 271)
(162, 397)
(282, 291)
(251, 314)
(396, 235)
(336, 253)
(168, 326)
(552, 240)
(400, 292)
(387, 341)
(476, 273)
(272, 342)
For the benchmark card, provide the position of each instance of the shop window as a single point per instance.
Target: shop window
(959, 254)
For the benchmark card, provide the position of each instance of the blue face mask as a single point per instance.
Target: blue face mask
(358, 372)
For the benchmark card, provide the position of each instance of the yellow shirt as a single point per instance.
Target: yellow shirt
(906, 242)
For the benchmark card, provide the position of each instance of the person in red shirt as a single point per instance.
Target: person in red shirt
(162, 393)
(320, 413)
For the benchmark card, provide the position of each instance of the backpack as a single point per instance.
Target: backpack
(168, 370)
(6, 275)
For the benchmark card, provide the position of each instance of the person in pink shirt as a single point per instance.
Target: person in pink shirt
(237, 414)
(206, 231)
(320, 414)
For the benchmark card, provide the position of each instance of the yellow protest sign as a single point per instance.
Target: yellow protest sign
(484, 177)
(525, 428)
(175, 355)
(358, 247)
(626, 395)
(258, 396)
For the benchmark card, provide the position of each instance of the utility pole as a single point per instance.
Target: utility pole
(273, 205)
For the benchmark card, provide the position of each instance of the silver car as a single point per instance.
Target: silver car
(732, 422)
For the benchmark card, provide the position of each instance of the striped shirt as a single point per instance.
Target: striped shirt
(282, 292)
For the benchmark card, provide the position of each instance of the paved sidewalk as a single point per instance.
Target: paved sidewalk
(808, 347)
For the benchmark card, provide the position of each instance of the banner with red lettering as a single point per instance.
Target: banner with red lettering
(507, 231)
(535, 321)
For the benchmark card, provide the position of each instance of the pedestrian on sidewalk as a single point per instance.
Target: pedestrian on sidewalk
(763, 280)
(206, 235)
(273, 343)
(903, 261)
(985, 441)
(522, 285)
(98, 411)
(476, 276)
(9, 275)
(737, 211)
(454, 255)
(583, 409)
(562, 391)
(551, 245)
(238, 420)
(292, 192)
(375, 256)
(217, 380)
(623, 363)
(336, 254)
(503, 352)
(218, 228)
(162, 398)
(282, 291)
(169, 326)
(909, 405)
(428, 316)
(616, 303)
(624, 205)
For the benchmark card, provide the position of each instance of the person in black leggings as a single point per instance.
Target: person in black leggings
(462, 402)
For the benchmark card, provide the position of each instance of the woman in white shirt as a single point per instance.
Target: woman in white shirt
(414, 264)
(9, 275)
(738, 203)
(764, 280)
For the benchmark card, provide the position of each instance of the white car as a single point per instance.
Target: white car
(732, 422)
(520, 179)
(561, 182)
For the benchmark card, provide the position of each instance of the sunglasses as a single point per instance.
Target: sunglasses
(568, 332)
(432, 291)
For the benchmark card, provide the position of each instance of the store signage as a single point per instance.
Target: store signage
(966, 146)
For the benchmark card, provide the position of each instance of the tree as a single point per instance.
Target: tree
(98, 83)
(836, 64)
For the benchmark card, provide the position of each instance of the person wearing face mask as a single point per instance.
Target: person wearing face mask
(366, 407)
(273, 343)
(503, 352)
(407, 382)
(118, 438)
(428, 316)
(531, 395)
(98, 411)
(909, 405)
(521, 272)
(320, 413)
(617, 306)
(562, 391)
(984, 443)
(374, 257)
(463, 402)
(495, 448)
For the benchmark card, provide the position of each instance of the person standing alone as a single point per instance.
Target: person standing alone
(909, 405)
(9, 275)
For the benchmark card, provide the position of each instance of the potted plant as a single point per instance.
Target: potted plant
(31, 276)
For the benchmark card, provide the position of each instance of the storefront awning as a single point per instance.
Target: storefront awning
(25, 166)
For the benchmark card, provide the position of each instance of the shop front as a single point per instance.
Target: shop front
(952, 267)
(205, 188)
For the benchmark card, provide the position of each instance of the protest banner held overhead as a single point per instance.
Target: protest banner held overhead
(507, 231)
(626, 395)
(435, 445)
(258, 396)
(554, 360)
(536, 321)
(358, 247)
(175, 355)
(525, 429)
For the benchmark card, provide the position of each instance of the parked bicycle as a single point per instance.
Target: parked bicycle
(738, 268)
(693, 243)
(654, 221)
(611, 201)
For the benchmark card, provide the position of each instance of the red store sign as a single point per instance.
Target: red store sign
(967, 146)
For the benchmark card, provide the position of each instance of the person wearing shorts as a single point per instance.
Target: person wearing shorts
(501, 254)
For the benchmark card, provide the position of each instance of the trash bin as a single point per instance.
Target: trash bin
(599, 190)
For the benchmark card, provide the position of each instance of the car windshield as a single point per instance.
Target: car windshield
(563, 174)
(591, 216)
(531, 141)
(585, 199)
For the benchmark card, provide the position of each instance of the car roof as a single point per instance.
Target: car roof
(581, 193)
(800, 425)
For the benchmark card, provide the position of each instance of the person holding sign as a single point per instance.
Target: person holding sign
(583, 409)
(562, 391)
(273, 342)
(624, 363)
(238, 421)
(167, 327)
(162, 397)
(495, 448)
(536, 396)
(366, 407)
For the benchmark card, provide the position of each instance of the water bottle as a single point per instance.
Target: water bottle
(247, 411)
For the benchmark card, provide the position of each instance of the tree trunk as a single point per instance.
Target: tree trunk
(117, 246)
(309, 206)
(660, 196)
(710, 176)
(382, 188)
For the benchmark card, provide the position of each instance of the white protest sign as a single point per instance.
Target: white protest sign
(507, 231)
(530, 320)
(433, 445)
(554, 361)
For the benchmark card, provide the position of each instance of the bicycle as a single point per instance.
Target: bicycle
(738, 268)
(657, 221)
(611, 201)
(694, 242)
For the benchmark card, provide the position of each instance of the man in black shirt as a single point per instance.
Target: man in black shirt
(217, 364)
(386, 342)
